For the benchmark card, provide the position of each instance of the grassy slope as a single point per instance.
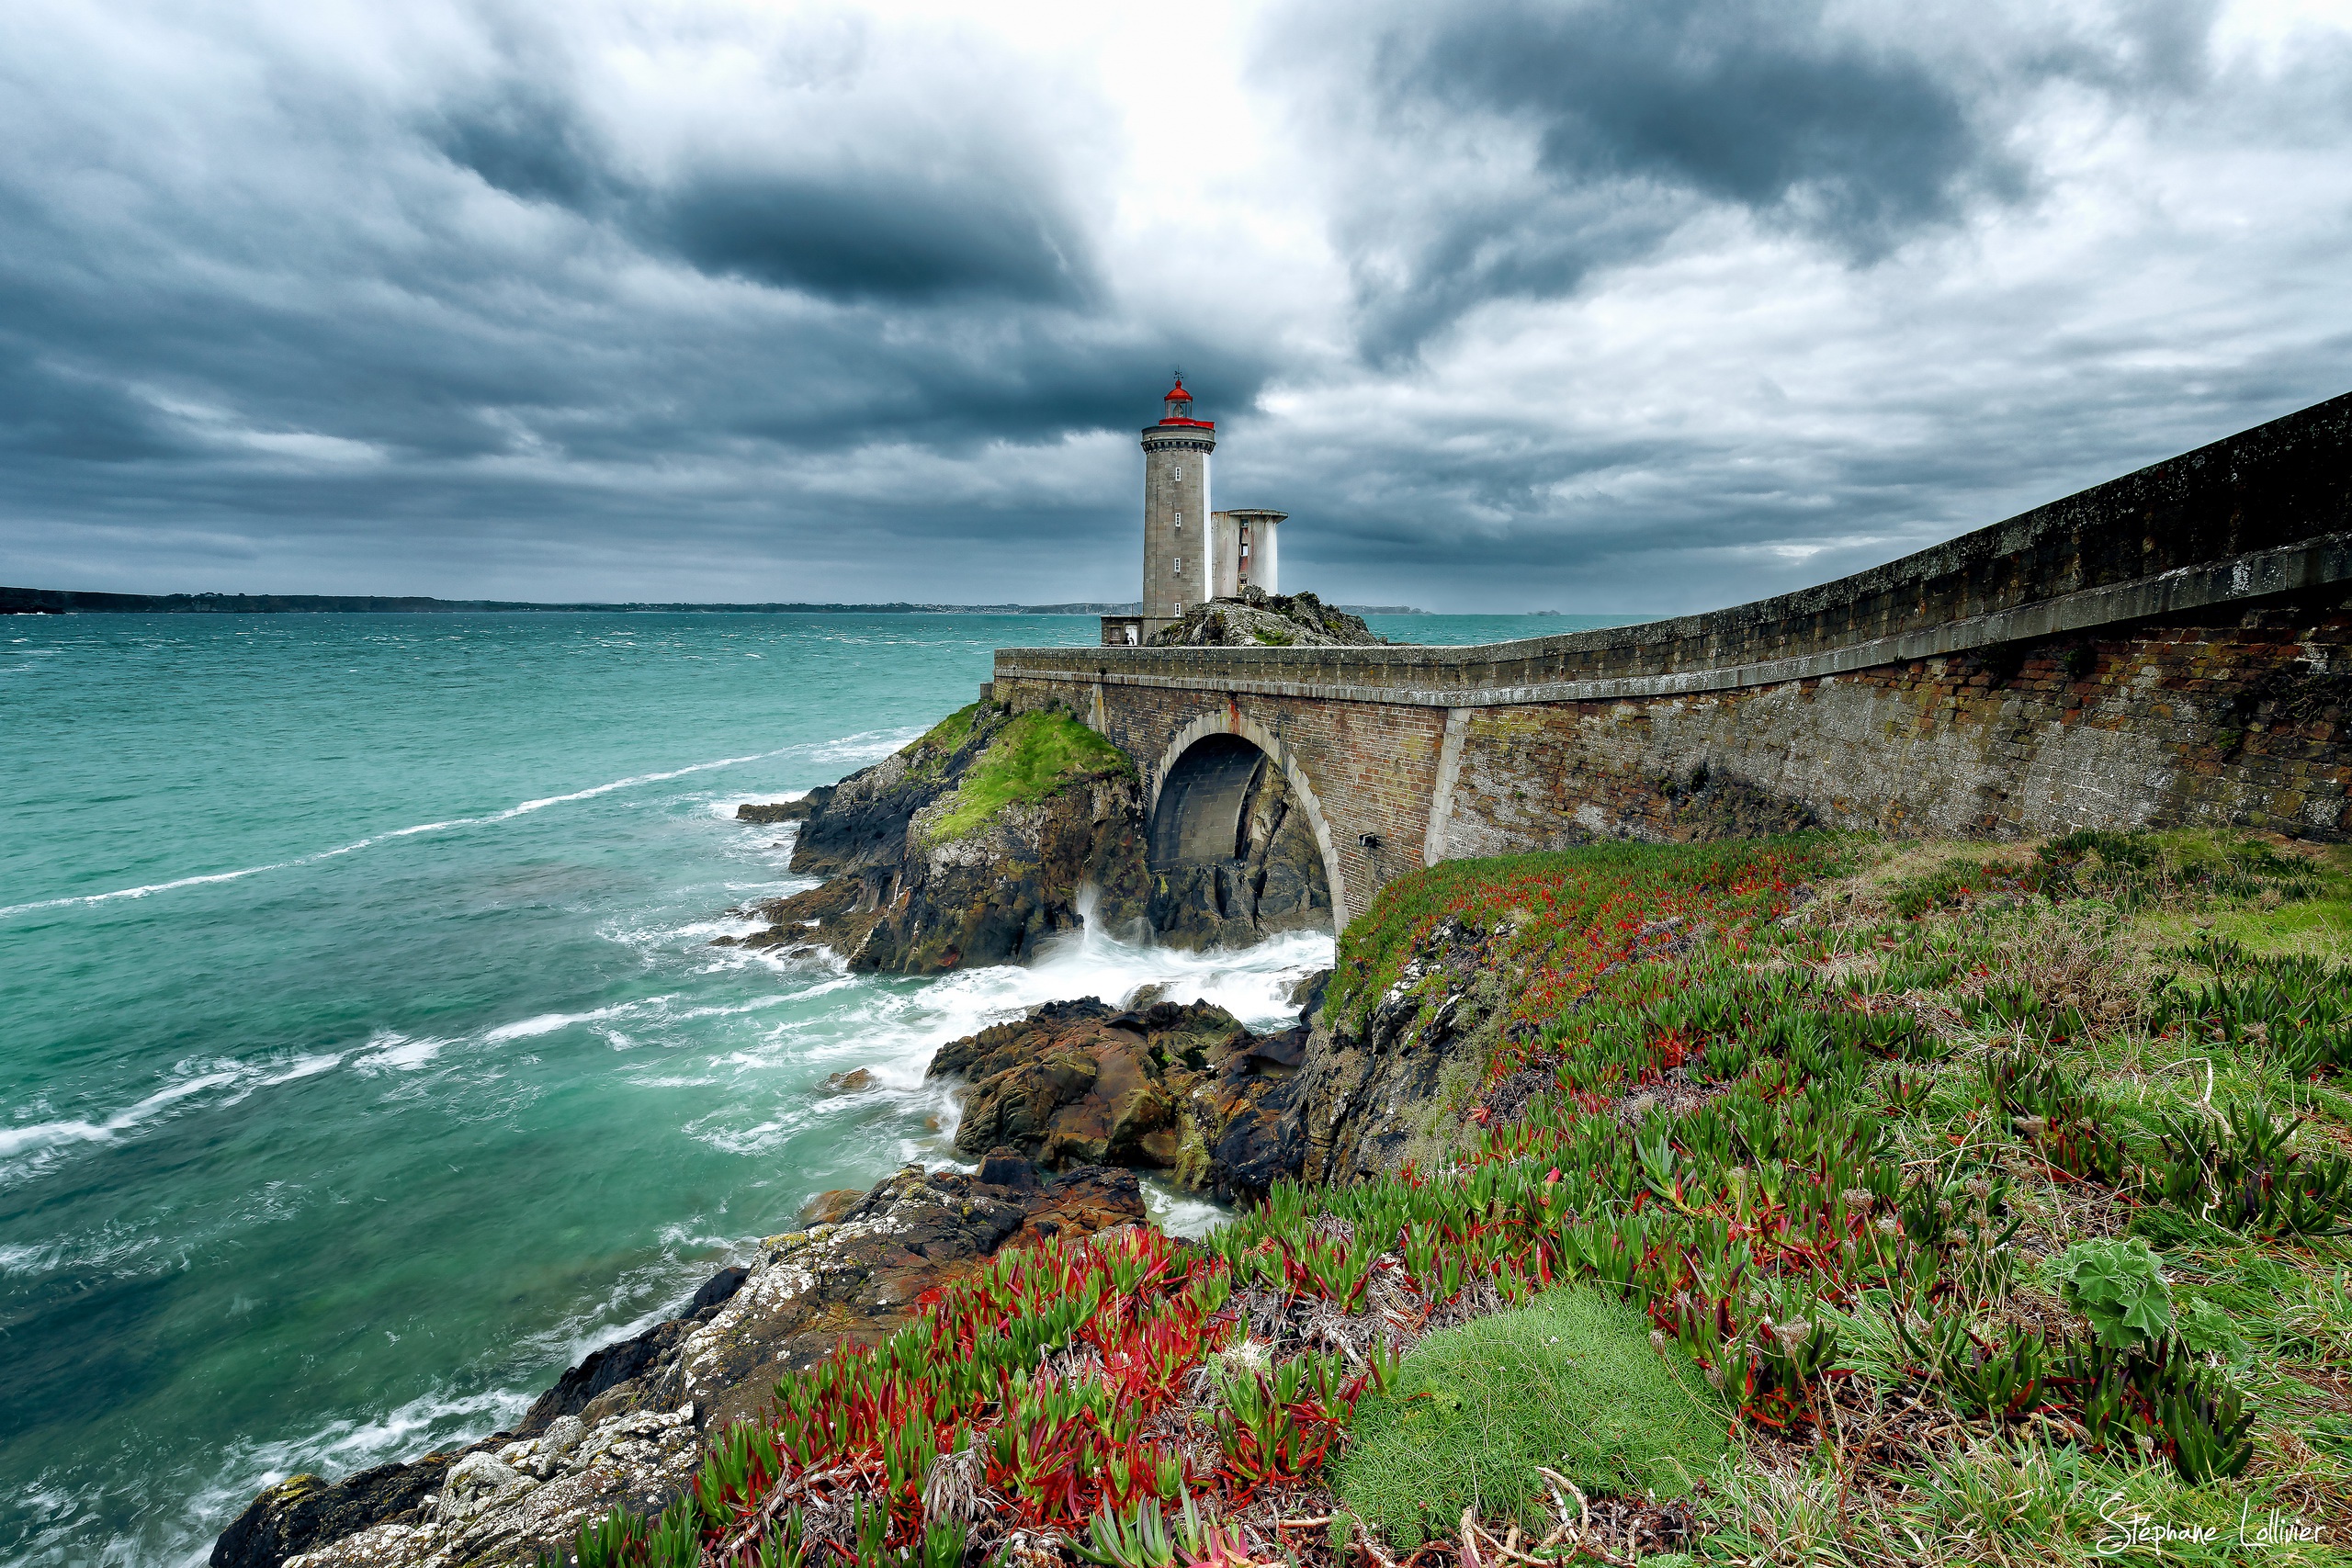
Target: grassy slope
(1827, 1112)
(1033, 756)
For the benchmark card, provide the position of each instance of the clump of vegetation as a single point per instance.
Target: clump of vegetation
(2119, 1287)
(1034, 755)
(1829, 1152)
(1568, 1382)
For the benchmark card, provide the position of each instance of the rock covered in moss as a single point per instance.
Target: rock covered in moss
(1256, 618)
(968, 846)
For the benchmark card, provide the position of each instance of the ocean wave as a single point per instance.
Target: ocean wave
(390, 1051)
(41, 1135)
(866, 746)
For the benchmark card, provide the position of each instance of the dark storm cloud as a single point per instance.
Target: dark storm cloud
(412, 313)
(1645, 114)
(972, 221)
(1749, 101)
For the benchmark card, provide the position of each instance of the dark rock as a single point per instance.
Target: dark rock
(897, 901)
(719, 1287)
(303, 1511)
(1308, 995)
(777, 811)
(1162, 1088)
(605, 1369)
(1005, 1167)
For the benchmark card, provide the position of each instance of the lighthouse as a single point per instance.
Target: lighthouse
(1189, 553)
(1179, 537)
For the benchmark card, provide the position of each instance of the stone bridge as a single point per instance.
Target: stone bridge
(2171, 647)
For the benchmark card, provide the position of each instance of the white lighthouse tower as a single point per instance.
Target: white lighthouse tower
(1189, 553)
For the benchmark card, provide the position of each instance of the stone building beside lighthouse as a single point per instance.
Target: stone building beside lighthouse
(1190, 552)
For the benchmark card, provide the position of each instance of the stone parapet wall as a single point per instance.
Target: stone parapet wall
(2227, 723)
(2264, 513)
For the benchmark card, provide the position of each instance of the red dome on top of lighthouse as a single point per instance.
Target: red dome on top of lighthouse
(1180, 408)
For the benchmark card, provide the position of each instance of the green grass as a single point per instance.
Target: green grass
(1826, 1113)
(1569, 1381)
(1033, 756)
(948, 733)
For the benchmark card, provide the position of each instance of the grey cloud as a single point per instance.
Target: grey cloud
(910, 224)
(1750, 101)
(1855, 128)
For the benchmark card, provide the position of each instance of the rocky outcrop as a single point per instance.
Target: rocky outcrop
(625, 1428)
(969, 846)
(1273, 882)
(1185, 1091)
(1256, 618)
(775, 811)
(1394, 1084)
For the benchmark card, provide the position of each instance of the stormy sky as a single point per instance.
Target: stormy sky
(1612, 305)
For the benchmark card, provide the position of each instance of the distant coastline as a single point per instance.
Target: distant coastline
(69, 602)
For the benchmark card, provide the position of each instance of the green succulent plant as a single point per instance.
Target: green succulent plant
(2119, 1286)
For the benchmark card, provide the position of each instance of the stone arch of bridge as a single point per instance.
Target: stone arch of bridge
(1227, 720)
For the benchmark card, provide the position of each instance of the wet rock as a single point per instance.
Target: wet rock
(1187, 1090)
(826, 1208)
(719, 1287)
(1308, 995)
(852, 1082)
(625, 1428)
(777, 811)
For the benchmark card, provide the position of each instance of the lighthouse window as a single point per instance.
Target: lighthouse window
(1179, 570)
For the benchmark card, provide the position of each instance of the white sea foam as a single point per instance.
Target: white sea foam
(389, 1050)
(45, 1135)
(892, 1031)
(549, 1022)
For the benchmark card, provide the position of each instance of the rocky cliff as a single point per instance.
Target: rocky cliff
(625, 1428)
(968, 846)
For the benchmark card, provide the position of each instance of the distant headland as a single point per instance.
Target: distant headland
(69, 602)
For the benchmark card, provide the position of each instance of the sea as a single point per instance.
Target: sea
(365, 1057)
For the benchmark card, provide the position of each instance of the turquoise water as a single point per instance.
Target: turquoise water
(364, 1059)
